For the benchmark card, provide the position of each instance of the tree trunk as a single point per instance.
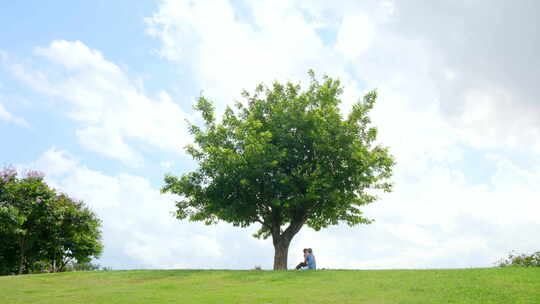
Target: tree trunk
(281, 248)
(21, 264)
(283, 240)
(23, 258)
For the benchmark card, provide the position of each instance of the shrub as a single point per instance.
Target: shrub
(82, 267)
(521, 260)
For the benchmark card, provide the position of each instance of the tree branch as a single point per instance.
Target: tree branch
(296, 224)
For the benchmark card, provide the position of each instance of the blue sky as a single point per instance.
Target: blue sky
(107, 26)
(95, 94)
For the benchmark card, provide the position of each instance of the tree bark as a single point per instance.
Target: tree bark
(283, 240)
(23, 258)
(21, 264)
(281, 247)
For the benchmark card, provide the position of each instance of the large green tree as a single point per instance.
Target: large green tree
(285, 158)
(40, 227)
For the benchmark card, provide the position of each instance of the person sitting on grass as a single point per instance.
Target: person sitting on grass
(309, 260)
(304, 263)
(311, 263)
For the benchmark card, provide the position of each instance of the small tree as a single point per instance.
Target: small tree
(10, 223)
(40, 227)
(27, 200)
(284, 159)
(74, 237)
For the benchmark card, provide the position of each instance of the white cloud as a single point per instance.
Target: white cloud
(113, 113)
(138, 227)
(355, 36)
(166, 164)
(55, 162)
(492, 117)
(10, 118)
(485, 71)
(439, 221)
(229, 53)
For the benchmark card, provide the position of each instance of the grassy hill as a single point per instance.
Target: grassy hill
(495, 285)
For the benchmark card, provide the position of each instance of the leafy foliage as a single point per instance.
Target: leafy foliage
(41, 229)
(521, 260)
(283, 159)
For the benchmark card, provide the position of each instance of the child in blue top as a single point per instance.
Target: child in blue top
(311, 263)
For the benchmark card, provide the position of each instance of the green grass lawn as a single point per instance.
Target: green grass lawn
(495, 285)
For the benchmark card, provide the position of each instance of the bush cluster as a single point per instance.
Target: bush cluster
(521, 260)
(41, 229)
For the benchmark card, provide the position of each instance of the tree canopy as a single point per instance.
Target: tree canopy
(42, 229)
(284, 158)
